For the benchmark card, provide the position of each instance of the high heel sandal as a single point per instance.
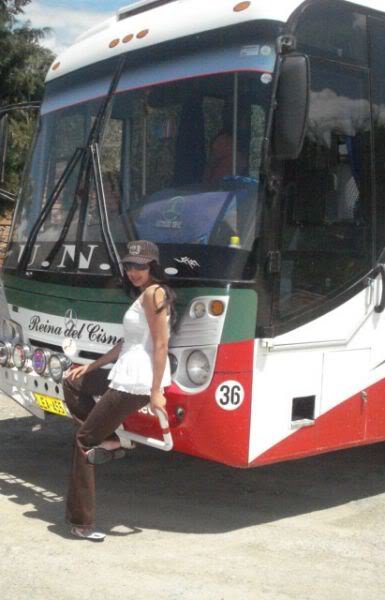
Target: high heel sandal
(88, 534)
(100, 455)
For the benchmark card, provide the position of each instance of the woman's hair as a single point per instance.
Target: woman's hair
(158, 276)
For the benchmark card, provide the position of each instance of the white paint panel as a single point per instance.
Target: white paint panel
(280, 377)
(347, 344)
(344, 374)
(339, 326)
(87, 328)
(171, 21)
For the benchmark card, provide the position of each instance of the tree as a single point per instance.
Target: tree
(23, 61)
(23, 64)
(9, 8)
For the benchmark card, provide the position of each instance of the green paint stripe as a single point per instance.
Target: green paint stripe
(64, 291)
(110, 305)
(241, 318)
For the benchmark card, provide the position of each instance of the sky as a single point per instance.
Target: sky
(68, 19)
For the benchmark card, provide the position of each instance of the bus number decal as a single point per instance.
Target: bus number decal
(229, 395)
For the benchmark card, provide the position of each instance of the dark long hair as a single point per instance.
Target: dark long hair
(158, 276)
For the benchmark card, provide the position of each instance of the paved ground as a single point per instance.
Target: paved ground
(184, 529)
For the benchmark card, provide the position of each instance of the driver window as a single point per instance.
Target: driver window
(326, 206)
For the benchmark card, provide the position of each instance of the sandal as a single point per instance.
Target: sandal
(88, 534)
(100, 455)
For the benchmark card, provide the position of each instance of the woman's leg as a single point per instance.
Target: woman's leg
(78, 394)
(100, 424)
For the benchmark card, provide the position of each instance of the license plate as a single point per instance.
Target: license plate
(52, 405)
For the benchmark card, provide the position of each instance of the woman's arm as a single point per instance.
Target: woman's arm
(153, 298)
(109, 357)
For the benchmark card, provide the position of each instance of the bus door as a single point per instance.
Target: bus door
(323, 301)
(375, 399)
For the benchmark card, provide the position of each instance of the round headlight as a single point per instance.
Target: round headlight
(198, 310)
(20, 354)
(198, 367)
(57, 364)
(40, 361)
(173, 363)
(5, 353)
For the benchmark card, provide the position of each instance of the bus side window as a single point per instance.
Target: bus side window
(326, 235)
(377, 59)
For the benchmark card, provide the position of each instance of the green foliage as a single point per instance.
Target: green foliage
(23, 64)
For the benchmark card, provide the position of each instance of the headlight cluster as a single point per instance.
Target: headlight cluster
(43, 362)
(200, 308)
(198, 367)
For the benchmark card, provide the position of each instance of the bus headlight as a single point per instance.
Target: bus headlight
(173, 363)
(198, 367)
(5, 353)
(20, 355)
(198, 310)
(40, 360)
(57, 364)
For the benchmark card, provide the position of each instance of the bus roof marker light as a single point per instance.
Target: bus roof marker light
(114, 43)
(241, 6)
(128, 38)
(55, 66)
(142, 33)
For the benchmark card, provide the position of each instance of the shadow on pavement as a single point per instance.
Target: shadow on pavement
(173, 492)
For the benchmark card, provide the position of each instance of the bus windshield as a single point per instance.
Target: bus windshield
(179, 163)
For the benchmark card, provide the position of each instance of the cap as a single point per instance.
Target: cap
(141, 252)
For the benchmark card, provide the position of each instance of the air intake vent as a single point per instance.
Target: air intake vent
(303, 408)
(139, 7)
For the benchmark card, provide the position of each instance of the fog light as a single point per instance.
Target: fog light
(57, 364)
(20, 355)
(40, 360)
(198, 367)
(5, 353)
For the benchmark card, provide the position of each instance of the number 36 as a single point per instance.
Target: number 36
(229, 395)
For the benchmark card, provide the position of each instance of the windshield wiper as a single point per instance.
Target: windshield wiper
(102, 207)
(74, 160)
(93, 166)
(87, 156)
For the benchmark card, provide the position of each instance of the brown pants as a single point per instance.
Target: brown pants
(98, 422)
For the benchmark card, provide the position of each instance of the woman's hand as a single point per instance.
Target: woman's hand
(76, 372)
(157, 401)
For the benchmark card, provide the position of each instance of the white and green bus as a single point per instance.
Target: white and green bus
(247, 139)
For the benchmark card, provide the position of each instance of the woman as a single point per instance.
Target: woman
(138, 377)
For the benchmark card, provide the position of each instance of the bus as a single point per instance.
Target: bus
(247, 139)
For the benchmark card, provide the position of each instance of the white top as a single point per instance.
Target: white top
(133, 371)
(169, 21)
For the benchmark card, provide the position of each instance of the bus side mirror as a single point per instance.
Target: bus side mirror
(292, 107)
(3, 144)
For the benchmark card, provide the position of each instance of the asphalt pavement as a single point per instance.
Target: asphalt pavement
(180, 528)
